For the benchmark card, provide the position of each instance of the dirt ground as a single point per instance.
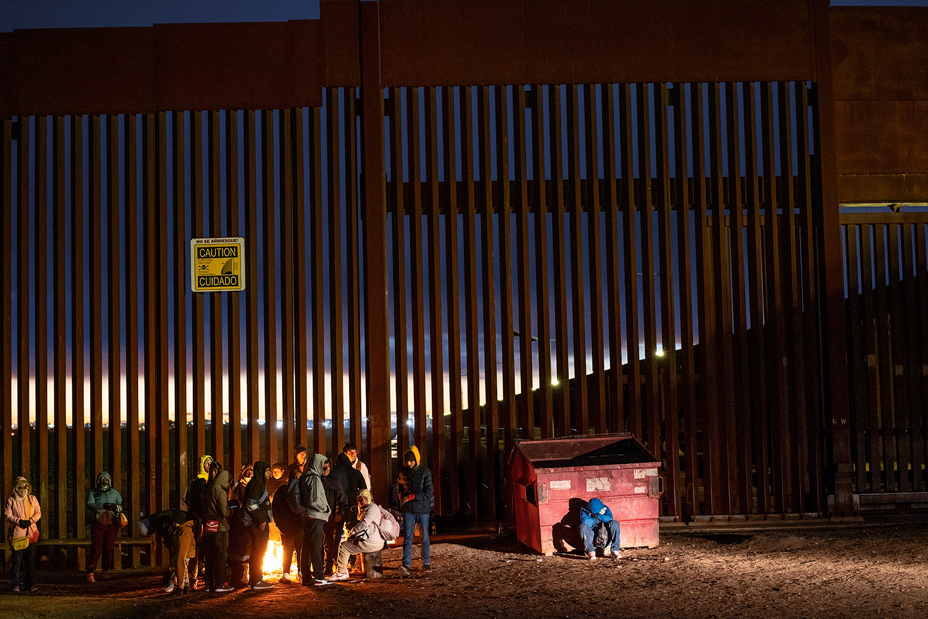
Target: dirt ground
(822, 570)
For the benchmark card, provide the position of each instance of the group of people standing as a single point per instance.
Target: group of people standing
(325, 514)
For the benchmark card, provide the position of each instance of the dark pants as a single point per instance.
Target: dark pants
(215, 549)
(332, 533)
(290, 543)
(23, 559)
(259, 540)
(588, 534)
(102, 541)
(312, 550)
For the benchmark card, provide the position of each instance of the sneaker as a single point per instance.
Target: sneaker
(403, 572)
(261, 585)
(591, 555)
(285, 579)
(33, 589)
(321, 582)
(90, 578)
(223, 588)
(171, 586)
(338, 576)
(15, 589)
(427, 567)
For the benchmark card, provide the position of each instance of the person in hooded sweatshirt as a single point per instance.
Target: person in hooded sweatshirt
(258, 517)
(22, 511)
(596, 522)
(175, 528)
(364, 537)
(346, 481)
(290, 525)
(105, 506)
(195, 501)
(307, 499)
(415, 499)
(215, 538)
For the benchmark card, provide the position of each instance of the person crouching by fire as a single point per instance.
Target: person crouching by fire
(175, 528)
(364, 537)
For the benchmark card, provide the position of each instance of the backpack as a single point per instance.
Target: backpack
(388, 526)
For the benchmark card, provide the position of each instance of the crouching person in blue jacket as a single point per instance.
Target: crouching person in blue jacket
(599, 530)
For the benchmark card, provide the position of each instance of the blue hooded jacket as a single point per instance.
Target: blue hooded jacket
(595, 512)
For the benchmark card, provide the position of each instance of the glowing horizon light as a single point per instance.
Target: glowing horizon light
(554, 382)
(659, 352)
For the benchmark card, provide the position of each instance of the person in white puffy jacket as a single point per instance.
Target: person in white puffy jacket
(364, 537)
(21, 512)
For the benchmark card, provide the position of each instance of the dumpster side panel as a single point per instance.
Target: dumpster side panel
(524, 501)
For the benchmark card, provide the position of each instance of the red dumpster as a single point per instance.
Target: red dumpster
(551, 478)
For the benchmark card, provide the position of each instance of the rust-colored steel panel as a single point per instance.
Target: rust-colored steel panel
(881, 137)
(95, 203)
(269, 228)
(334, 162)
(131, 168)
(912, 360)
(891, 188)
(898, 332)
(871, 419)
(6, 301)
(78, 348)
(885, 373)
(317, 279)
(453, 300)
(401, 353)
(301, 326)
(341, 31)
(857, 385)
(416, 293)
(253, 292)
(288, 144)
(161, 483)
(23, 156)
(879, 53)
(181, 290)
(353, 266)
(113, 267)
(39, 318)
(526, 414)
(233, 307)
(174, 66)
(216, 333)
(485, 42)
(197, 319)
(59, 332)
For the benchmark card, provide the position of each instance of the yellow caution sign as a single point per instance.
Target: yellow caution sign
(217, 265)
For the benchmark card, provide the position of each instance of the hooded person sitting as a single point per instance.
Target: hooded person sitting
(599, 529)
(105, 506)
(364, 537)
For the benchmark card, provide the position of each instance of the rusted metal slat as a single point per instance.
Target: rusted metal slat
(6, 303)
(269, 224)
(59, 333)
(629, 208)
(317, 300)
(288, 144)
(197, 324)
(705, 263)
(78, 459)
(648, 293)
(301, 327)
(181, 275)
(741, 387)
(856, 359)
(874, 455)
(562, 400)
(884, 367)
(542, 289)
(580, 410)
(216, 333)
(774, 306)
(40, 248)
(793, 331)
(686, 356)
(897, 333)
(755, 256)
(353, 268)
(23, 312)
(436, 333)
(233, 307)
(416, 283)
(723, 310)
(95, 255)
(910, 361)
(921, 290)
(526, 413)
(488, 268)
(133, 342)
(615, 420)
(161, 434)
(508, 416)
(253, 292)
(114, 262)
(150, 336)
(804, 201)
(668, 363)
(375, 253)
(470, 304)
(597, 395)
(401, 361)
(451, 112)
(336, 356)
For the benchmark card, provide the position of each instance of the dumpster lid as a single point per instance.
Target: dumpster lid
(585, 451)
